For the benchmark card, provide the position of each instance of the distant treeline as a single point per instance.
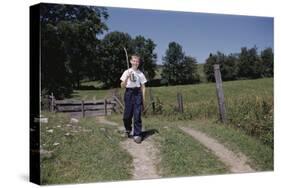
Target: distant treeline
(73, 50)
(248, 64)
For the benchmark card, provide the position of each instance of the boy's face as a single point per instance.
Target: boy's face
(135, 62)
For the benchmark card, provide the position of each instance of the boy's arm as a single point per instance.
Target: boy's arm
(124, 83)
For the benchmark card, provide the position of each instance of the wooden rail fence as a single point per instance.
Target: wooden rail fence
(82, 108)
(115, 104)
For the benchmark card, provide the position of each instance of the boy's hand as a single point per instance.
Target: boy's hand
(124, 83)
(129, 75)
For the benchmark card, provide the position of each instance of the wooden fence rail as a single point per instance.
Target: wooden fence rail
(115, 104)
(84, 108)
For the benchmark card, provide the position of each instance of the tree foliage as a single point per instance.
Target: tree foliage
(69, 42)
(247, 64)
(228, 66)
(145, 49)
(113, 57)
(178, 68)
(267, 62)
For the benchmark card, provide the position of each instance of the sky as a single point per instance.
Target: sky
(198, 33)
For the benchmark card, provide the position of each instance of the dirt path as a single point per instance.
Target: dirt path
(144, 157)
(236, 163)
(144, 154)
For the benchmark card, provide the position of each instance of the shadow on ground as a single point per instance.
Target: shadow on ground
(148, 133)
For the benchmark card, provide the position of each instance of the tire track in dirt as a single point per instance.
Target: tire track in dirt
(237, 163)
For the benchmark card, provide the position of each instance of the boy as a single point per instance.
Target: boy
(133, 80)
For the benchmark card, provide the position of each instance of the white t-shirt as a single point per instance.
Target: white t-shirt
(139, 78)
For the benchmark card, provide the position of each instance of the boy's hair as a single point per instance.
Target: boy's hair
(135, 56)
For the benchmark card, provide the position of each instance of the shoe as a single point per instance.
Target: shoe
(129, 134)
(138, 139)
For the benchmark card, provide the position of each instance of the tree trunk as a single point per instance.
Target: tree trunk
(78, 83)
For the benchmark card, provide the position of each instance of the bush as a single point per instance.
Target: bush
(157, 83)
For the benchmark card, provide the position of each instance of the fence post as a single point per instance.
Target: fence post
(178, 99)
(52, 102)
(220, 94)
(152, 100)
(105, 107)
(119, 103)
(180, 102)
(82, 108)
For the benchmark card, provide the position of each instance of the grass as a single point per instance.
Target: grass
(90, 152)
(180, 154)
(200, 70)
(183, 156)
(196, 93)
(96, 84)
(207, 92)
(260, 155)
(87, 157)
(249, 103)
(90, 94)
(83, 152)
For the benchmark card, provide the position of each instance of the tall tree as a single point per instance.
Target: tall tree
(113, 61)
(75, 29)
(145, 49)
(178, 68)
(173, 56)
(267, 62)
(249, 63)
(228, 66)
(55, 77)
(208, 67)
(188, 71)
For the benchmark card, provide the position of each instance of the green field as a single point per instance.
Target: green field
(249, 103)
(83, 152)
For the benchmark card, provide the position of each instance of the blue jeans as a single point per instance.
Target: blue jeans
(133, 107)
